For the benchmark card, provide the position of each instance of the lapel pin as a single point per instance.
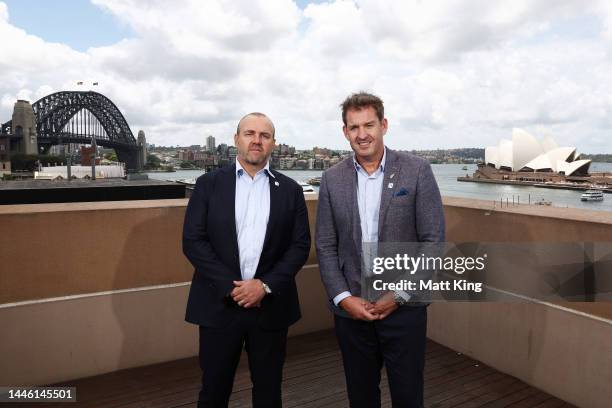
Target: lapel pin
(390, 185)
(276, 183)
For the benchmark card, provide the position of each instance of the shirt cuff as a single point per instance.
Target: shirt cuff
(339, 298)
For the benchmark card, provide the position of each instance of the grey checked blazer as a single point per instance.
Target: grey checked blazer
(417, 216)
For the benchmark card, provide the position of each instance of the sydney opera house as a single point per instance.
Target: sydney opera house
(525, 153)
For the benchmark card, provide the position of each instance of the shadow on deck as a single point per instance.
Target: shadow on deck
(313, 377)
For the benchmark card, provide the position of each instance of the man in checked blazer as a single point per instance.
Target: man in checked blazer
(378, 195)
(246, 233)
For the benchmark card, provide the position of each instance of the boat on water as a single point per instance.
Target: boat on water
(306, 188)
(592, 195)
(464, 168)
(315, 181)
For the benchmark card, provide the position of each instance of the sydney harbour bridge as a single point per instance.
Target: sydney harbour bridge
(82, 117)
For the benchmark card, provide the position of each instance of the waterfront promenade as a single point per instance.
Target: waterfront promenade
(446, 176)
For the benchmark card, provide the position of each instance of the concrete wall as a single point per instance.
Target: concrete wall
(565, 348)
(88, 288)
(66, 338)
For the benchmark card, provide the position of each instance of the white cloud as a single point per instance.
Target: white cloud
(452, 73)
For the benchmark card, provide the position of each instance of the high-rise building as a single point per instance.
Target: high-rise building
(222, 150)
(284, 149)
(210, 143)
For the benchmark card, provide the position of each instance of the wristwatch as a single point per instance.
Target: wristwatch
(266, 288)
(399, 299)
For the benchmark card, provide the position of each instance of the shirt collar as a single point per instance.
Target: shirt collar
(240, 170)
(382, 162)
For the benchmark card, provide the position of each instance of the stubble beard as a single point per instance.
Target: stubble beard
(255, 161)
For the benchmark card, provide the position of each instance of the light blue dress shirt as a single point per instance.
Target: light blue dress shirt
(369, 192)
(252, 206)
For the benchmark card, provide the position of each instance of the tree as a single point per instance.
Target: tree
(153, 162)
(188, 165)
(28, 162)
(111, 156)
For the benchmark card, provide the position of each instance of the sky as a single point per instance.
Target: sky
(452, 73)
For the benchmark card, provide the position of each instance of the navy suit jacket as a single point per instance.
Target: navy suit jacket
(211, 245)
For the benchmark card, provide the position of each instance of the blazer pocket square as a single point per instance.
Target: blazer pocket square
(401, 192)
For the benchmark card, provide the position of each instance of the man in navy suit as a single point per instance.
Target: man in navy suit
(377, 196)
(246, 233)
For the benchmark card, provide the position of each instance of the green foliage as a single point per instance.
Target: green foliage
(111, 156)
(188, 165)
(599, 158)
(153, 160)
(27, 162)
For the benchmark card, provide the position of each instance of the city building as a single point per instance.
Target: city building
(232, 152)
(210, 144)
(87, 153)
(321, 151)
(301, 164)
(287, 163)
(5, 159)
(222, 150)
(186, 155)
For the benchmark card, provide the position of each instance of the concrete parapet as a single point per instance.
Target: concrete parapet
(88, 288)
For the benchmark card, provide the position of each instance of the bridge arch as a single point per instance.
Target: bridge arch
(97, 117)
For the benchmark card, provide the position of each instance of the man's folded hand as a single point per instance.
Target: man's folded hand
(384, 306)
(359, 308)
(248, 293)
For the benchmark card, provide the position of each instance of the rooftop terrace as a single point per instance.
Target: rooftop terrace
(93, 295)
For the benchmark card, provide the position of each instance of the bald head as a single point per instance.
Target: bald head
(259, 115)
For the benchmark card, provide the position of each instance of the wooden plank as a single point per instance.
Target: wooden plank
(313, 378)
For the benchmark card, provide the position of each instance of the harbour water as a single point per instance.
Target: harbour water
(446, 175)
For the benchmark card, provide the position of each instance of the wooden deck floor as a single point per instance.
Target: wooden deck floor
(313, 377)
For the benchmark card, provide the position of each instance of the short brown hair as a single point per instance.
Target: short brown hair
(362, 100)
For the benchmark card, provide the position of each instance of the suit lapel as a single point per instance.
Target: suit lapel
(229, 196)
(275, 201)
(353, 207)
(390, 183)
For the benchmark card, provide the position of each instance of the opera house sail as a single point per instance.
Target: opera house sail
(525, 153)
